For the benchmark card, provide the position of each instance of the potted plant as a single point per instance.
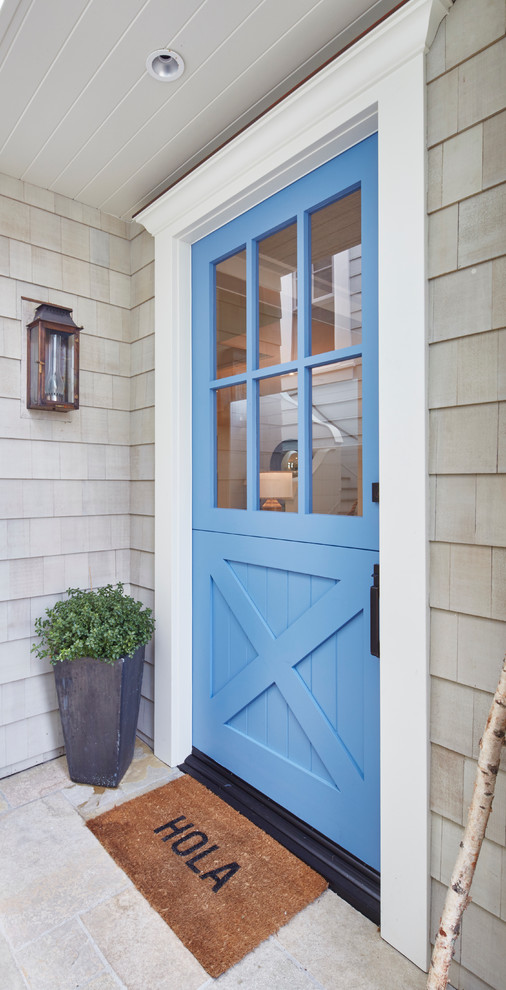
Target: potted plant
(95, 641)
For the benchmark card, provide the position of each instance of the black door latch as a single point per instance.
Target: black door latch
(375, 598)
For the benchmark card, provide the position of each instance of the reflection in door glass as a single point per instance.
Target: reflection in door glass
(336, 271)
(277, 297)
(337, 438)
(231, 447)
(278, 415)
(231, 315)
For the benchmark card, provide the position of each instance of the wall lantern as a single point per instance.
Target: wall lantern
(53, 360)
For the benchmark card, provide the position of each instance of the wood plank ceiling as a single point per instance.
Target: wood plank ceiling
(81, 115)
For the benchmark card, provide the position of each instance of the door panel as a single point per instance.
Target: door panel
(286, 692)
(285, 689)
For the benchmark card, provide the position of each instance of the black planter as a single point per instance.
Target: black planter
(99, 707)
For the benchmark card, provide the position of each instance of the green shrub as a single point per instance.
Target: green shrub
(104, 624)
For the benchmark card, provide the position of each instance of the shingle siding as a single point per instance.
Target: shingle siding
(71, 483)
(466, 129)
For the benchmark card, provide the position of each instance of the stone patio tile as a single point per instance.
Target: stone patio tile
(90, 801)
(51, 867)
(342, 949)
(35, 783)
(146, 769)
(150, 783)
(64, 959)
(78, 794)
(10, 977)
(140, 947)
(143, 756)
(104, 982)
(144, 774)
(266, 968)
(93, 801)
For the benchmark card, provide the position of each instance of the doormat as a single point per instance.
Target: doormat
(219, 882)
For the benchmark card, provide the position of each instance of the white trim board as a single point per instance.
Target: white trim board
(377, 84)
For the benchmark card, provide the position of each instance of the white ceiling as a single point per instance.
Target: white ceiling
(81, 116)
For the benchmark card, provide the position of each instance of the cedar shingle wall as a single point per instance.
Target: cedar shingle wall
(142, 450)
(466, 71)
(69, 482)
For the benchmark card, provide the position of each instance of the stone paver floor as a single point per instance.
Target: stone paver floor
(70, 918)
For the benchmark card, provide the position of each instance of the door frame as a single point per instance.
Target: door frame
(385, 72)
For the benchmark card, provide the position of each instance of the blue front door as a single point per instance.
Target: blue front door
(285, 524)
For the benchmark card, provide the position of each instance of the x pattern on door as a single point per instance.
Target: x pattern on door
(285, 686)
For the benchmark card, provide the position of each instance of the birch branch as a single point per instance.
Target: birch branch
(457, 897)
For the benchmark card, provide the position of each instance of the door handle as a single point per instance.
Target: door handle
(375, 597)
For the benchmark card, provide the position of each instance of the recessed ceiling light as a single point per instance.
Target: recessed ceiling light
(164, 65)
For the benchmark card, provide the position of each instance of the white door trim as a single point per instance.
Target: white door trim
(377, 84)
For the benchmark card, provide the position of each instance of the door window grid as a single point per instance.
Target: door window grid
(270, 313)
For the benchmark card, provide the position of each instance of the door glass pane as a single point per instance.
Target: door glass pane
(337, 438)
(231, 447)
(277, 302)
(278, 436)
(336, 316)
(231, 316)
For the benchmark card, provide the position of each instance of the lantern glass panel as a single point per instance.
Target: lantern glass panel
(70, 369)
(58, 383)
(34, 365)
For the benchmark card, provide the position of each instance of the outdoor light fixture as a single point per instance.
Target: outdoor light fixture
(165, 65)
(52, 360)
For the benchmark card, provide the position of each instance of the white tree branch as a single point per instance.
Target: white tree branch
(457, 897)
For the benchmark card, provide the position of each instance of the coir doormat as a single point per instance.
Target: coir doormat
(219, 882)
